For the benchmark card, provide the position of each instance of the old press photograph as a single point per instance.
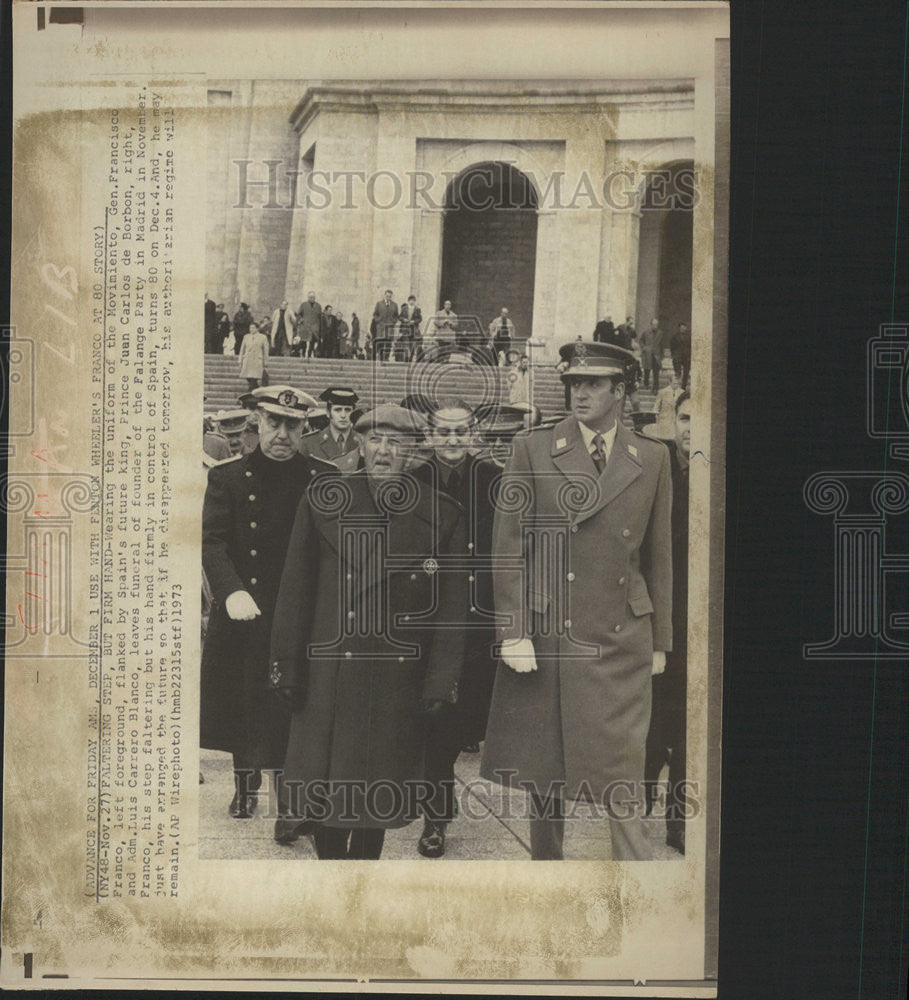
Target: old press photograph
(445, 529)
(435, 591)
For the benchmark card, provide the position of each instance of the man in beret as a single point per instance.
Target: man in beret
(367, 642)
(246, 520)
(589, 620)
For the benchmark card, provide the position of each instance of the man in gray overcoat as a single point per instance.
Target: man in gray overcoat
(584, 515)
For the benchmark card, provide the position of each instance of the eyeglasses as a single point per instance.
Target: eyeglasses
(445, 432)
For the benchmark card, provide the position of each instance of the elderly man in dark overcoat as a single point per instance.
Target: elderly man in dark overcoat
(246, 521)
(367, 641)
(583, 583)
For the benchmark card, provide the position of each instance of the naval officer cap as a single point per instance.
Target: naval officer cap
(339, 396)
(587, 359)
(283, 400)
(390, 417)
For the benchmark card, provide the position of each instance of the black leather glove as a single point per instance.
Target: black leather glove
(286, 683)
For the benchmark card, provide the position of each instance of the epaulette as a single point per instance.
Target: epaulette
(323, 465)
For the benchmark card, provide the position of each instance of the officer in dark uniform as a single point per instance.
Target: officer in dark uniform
(247, 517)
(338, 437)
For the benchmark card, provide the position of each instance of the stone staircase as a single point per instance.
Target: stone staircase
(390, 381)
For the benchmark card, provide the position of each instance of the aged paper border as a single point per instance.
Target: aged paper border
(43, 758)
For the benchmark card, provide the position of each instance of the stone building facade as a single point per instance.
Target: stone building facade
(347, 189)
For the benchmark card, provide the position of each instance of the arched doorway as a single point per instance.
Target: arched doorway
(665, 249)
(489, 245)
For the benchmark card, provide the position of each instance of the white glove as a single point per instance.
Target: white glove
(241, 607)
(519, 654)
(659, 663)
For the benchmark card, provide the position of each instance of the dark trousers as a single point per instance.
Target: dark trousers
(441, 750)
(547, 828)
(654, 365)
(666, 740)
(333, 844)
(547, 833)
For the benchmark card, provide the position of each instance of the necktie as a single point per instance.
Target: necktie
(599, 453)
(341, 442)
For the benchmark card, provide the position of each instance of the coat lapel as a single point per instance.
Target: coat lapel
(574, 461)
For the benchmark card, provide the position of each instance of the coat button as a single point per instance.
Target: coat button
(470, 545)
(625, 533)
(413, 576)
(253, 552)
(351, 614)
(348, 654)
(470, 579)
(407, 618)
(275, 663)
(621, 580)
(400, 659)
(473, 610)
(253, 524)
(253, 580)
(574, 528)
(248, 474)
(567, 623)
(252, 496)
(349, 576)
(570, 578)
(618, 628)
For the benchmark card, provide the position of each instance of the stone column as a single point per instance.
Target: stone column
(426, 265)
(579, 242)
(339, 229)
(546, 284)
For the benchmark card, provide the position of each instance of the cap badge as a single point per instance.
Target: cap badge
(430, 566)
(287, 398)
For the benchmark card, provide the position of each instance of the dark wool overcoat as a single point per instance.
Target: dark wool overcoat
(247, 518)
(367, 624)
(475, 494)
(584, 567)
